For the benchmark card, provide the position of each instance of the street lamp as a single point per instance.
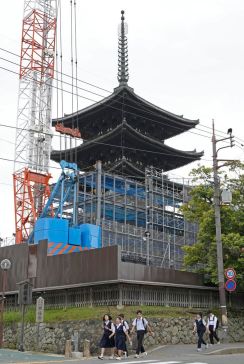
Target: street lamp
(5, 265)
(220, 263)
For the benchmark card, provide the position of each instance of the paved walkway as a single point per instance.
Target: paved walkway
(170, 354)
(13, 356)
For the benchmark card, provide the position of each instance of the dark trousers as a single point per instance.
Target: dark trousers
(126, 350)
(200, 339)
(212, 334)
(140, 338)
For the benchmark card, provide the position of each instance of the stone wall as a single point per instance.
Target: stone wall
(52, 337)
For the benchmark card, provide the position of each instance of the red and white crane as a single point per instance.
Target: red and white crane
(33, 133)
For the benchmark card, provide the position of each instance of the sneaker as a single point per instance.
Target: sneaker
(218, 342)
(199, 349)
(136, 356)
(206, 346)
(144, 354)
(100, 357)
(118, 358)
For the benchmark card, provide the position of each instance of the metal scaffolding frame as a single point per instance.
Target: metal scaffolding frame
(127, 208)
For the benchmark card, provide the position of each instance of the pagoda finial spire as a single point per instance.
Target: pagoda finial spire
(123, 70)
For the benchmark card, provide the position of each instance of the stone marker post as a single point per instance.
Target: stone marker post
(86, 348)
(68, 349)
(39, 318)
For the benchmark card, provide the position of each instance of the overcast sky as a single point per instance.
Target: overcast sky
(186, 56)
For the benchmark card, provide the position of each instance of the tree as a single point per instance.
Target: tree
(201, 257)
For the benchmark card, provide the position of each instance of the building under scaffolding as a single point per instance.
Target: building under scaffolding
(127, 194)
(142, 217)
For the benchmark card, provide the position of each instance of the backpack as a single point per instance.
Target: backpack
(144, 324)
(217, 323)
(125, 327)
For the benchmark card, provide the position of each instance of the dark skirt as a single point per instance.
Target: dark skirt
(120, 342)
(106, 342)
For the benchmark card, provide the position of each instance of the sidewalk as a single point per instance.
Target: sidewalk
(179, 352)
(188, 349)
(14, 356)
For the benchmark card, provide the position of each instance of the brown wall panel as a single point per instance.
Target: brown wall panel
(84, 267)
(18, 255)
(41, 272)
(138, 272)
(89, 266)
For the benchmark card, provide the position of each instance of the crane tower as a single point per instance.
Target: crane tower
(33, 133)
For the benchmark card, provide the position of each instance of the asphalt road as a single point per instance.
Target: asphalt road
(177, 354)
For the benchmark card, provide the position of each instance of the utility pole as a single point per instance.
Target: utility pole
(220, 262)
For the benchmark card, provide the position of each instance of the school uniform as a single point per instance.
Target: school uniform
(126, 325)
(127, 328)
(200, 328)
(140, 325)
(107, 342)
(120, 337)
(212, 323)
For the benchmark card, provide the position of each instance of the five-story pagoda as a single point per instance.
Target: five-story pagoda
(124, 136)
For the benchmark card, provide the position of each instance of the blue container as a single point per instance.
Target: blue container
(75, 236)
(90, 236)
(53, 229)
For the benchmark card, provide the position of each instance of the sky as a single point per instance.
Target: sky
(185, 56)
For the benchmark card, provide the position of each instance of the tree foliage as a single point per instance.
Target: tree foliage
(202, 256)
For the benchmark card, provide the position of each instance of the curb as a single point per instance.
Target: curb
(227, 351)
(157, 348)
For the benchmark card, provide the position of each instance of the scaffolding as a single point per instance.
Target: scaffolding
(128, 208)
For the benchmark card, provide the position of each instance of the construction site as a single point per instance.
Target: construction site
(110, 230)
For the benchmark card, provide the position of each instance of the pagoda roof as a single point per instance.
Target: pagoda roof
(123, 130)
(139, 113)
(125, 146)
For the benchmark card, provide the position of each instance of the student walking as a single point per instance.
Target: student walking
(107, 340)
(140, 324)
(200, 328)
(212, 326)
(126, 325)
(120, 336)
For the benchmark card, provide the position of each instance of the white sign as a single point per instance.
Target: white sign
(5, 264)
(40, 310)
(230, 273)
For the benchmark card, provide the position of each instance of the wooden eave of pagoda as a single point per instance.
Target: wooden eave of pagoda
(140, 114)
(123, 130)
(127, 144)
(126, 168)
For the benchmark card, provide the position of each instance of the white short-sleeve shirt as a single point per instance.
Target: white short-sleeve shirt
(140, 324)
(112, 326)
(125, 324)
(212, 321)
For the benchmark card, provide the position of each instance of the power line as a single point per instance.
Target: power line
(112, 145)
(54, 136)
(64, 74)
(51, 167)
(108, 143)
(99, 95)
(112, 107)
(220, 131)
